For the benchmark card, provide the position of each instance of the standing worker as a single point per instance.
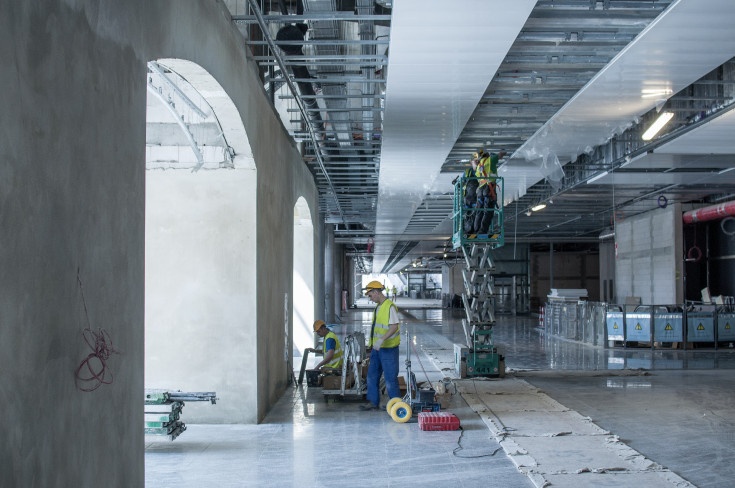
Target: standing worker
(487, 171)
(470, 195)
(332, 347)
(395, 292)
(385, 336)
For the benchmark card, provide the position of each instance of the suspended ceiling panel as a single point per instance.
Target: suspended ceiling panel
(714, 137)
(688, 40)
(439, 67)
(704, 155)
(645, 179)
(679, 161)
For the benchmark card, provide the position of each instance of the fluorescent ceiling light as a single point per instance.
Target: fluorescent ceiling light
(725, 170)
(538, 207)
(595, 178)
(657, 126)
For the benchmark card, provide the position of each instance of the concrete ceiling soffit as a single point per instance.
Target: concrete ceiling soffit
(684, 43)
(439, 67)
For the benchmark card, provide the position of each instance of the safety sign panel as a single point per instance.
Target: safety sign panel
(614, 321)
(700, 327)
(667, 327)
(639, 327)
(726, 327)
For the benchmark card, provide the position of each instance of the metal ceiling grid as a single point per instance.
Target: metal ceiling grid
(561, 47)
(572, 216)
(344, 52)
(690, 161)
(432, 212)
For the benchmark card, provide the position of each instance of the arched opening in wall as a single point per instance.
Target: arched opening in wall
(303, 279)
(200, 262)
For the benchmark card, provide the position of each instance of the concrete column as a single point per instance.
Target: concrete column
(551, 265)
(328, 272)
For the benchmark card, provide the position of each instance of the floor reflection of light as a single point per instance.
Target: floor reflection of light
(627, 383)
(615, 363)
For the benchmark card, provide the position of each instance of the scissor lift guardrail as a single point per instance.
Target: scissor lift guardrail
(495, 237)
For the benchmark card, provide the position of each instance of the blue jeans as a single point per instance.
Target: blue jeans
(385, 362)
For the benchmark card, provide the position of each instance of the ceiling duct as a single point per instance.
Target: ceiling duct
(399, 252)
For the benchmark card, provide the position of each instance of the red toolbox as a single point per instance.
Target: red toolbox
(438, 421)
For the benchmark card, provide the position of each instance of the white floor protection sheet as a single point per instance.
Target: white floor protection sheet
(556, 446)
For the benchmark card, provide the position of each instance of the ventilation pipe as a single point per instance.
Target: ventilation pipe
(713, 212)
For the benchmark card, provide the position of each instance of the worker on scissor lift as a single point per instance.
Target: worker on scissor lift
(385, 336)
(332, 348)
(487, 169)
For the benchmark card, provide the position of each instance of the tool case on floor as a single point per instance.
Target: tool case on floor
(438, 421)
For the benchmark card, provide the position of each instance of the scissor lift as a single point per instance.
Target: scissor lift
(483, 358)
(461, 237)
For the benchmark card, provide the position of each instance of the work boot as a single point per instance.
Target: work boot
(369, 406)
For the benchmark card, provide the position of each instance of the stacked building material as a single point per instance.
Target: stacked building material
(163, 410)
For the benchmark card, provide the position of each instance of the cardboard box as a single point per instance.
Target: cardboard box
(402, 385)
(442, 396)
(334, 382)
(365, 364)
(460, 360)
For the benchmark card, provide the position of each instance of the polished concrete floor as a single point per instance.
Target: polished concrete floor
(677, 409)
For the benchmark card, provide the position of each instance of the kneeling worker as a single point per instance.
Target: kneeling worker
(332, 347)
(385, 337)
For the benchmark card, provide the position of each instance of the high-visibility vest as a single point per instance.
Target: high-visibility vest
(337, 358)
(381, 316)
(487, 166)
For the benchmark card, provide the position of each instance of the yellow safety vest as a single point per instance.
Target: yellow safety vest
(337, 358)
(481, 173)
(381, 316)
(487, 166)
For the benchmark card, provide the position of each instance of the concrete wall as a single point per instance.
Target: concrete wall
(201, 288)
(649, 257)
(452, 281)
(72, 148)
(607, 270)
(303, 279)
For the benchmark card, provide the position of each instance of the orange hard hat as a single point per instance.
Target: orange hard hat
(319, 324)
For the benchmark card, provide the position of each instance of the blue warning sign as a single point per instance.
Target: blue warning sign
(700, 327)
